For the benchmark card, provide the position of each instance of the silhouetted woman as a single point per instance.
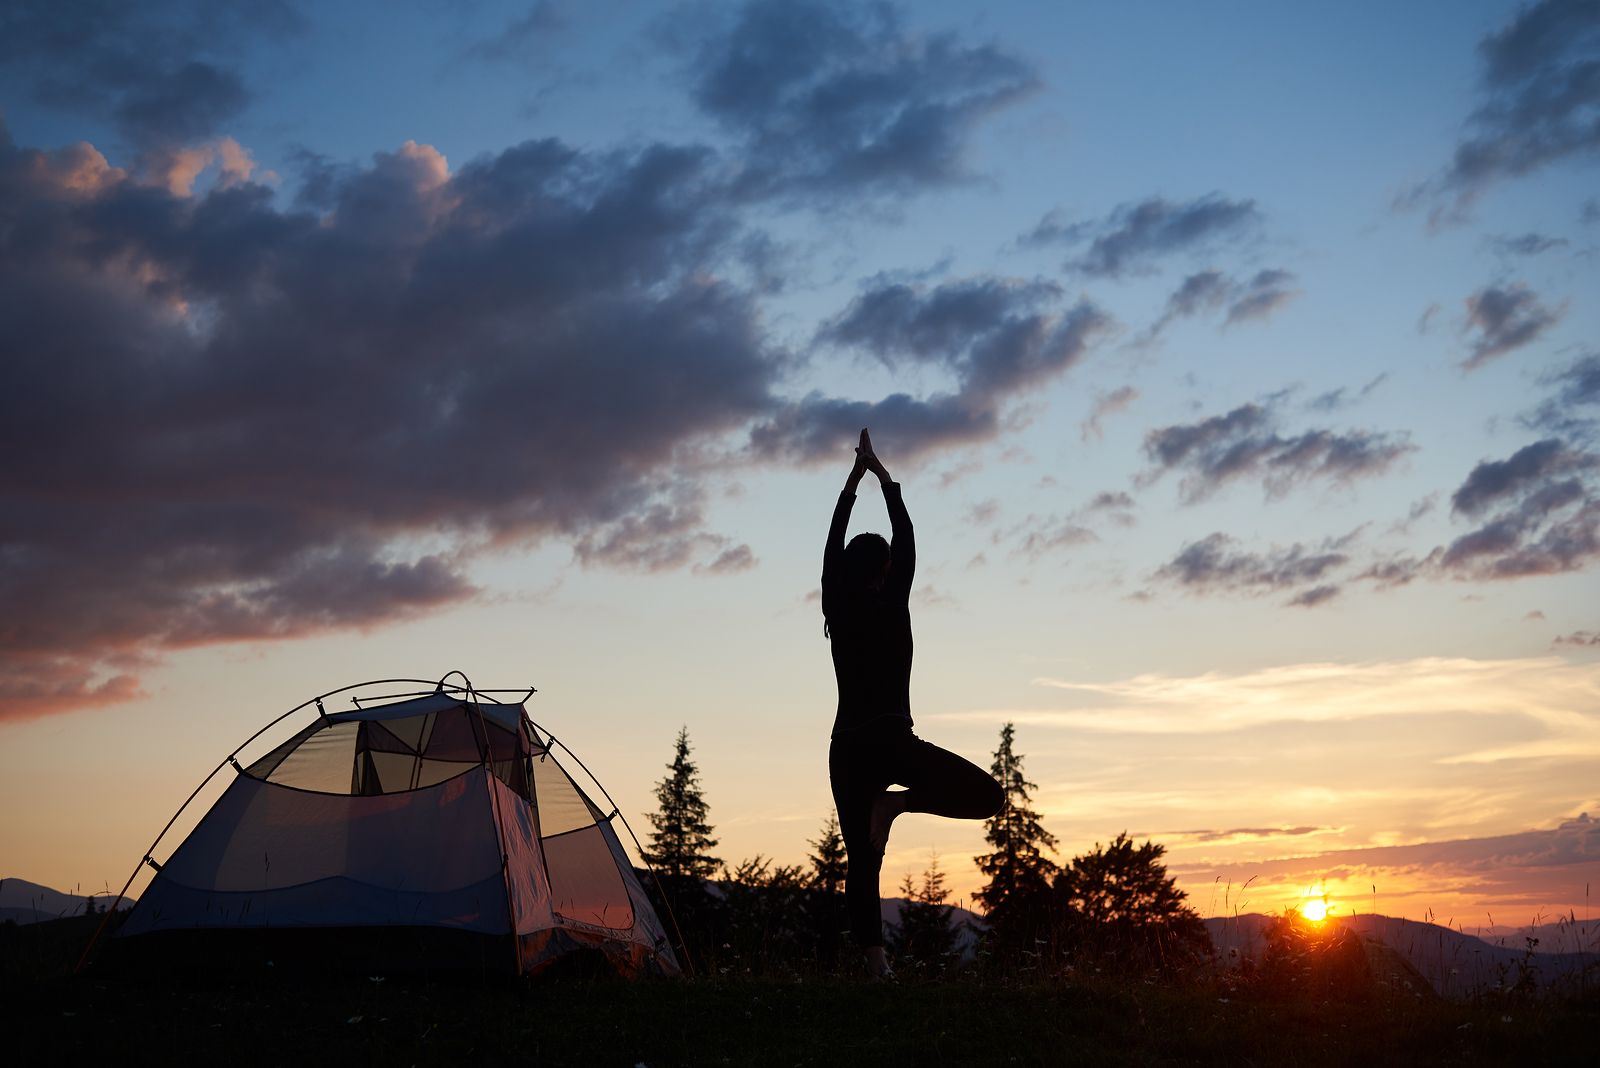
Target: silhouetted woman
(865, 589)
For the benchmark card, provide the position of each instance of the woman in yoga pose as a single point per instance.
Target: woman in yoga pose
(865, 589)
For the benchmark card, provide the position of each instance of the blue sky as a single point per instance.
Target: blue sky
(1221, 354)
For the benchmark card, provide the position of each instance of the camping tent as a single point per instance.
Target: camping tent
(438, 812)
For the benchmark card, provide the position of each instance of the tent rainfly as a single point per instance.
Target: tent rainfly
(438, 813)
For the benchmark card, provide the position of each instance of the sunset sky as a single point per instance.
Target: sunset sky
(1239, 363)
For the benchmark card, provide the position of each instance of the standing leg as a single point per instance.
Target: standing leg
(858, 780)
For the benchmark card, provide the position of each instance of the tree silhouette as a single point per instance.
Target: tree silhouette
(828, 860)
(924, 938)
(1015, 899)
(1120, 898)
(681, 843)
(827, 891)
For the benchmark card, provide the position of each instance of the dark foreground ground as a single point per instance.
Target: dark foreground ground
(271, 1018)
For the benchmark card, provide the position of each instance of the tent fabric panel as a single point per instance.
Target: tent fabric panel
(380, 739)
(647, 926)
(412, 731)
(394, 770)
(585, 884)
(264, 767)
(527, 885)
(323, 761)
(541, 949)
(334, 902)
(562, 806)
(455, 737)
(506, 715)
(434, 772)
(260, 836)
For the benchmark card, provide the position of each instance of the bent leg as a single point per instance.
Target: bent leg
(944, 784)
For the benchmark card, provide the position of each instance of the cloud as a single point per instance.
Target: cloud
(1037, 536)
(1337, 399)
(1492, 481)
(1505, 319)
(161, 72)
(1212, 564)
(996, 337)
(1105, 406)
(1539, 101)
(233, 421)
(1264, 294)
(1581, 638)
(1575, 409)
(1555, 696)
(1244, 444)
(1212, 290)
(1236, 833)
(829, 97)
(1545, 515)
(1526, 245)
(1135, 236)
(1502, 875)
(526, 35)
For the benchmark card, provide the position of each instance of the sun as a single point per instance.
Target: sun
(1314, 909)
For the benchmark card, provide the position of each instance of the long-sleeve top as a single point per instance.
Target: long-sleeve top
(870, 629)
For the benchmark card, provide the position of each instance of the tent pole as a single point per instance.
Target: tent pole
(487, 759)
(671, 915)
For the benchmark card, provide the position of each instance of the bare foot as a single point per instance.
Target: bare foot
(889, 804)
(878, 964)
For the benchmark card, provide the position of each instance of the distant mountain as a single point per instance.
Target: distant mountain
(25, 902)
(1454, 962)
(967, 924)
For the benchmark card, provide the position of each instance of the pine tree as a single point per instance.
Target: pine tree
(828, 860)
(681, 843)
(924, 938)
(1019, 872)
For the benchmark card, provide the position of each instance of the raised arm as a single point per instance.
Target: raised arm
(902, 541)
(833, 552)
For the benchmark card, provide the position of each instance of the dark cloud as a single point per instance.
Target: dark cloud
(826, 97)
(1537, 513)
(1505, 318)
(996, 337)
(229, 421)
(1244, 443)
(1212, 564)
(1492, 481)
(1209, 291)
(1583, 638)
(1109, 500)
(1135, 236)
(163, 72)
(1574, 410)
(1539, 102)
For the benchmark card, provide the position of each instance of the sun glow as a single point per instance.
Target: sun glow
(1315, 906)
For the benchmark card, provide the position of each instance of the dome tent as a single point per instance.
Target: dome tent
(437, 820)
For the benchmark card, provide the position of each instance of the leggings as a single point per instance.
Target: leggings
(864, 762)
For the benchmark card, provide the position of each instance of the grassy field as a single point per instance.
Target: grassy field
(273, 1019)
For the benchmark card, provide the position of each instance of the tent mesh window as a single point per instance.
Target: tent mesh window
(356, 754)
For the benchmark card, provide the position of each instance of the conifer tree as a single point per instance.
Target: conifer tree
(924, 933)
(1120, 897)
(681, 843)
(828, 860)
(1019, 872)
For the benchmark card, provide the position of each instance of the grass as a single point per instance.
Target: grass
(269, 1018)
